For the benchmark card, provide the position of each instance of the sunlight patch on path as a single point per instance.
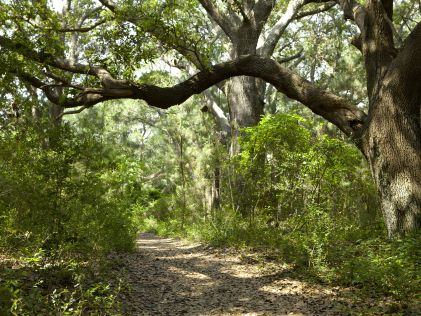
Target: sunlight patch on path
(189, 274)
(173, 277)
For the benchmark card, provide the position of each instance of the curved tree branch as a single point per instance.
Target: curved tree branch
(106, 79)
(326, 7)
(330, 106)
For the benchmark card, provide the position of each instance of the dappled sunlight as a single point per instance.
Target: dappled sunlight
(171, 277)
(190, 274)
(286, 287)
(240, 271)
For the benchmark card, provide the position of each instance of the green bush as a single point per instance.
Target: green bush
(288, 170)
(59, 193)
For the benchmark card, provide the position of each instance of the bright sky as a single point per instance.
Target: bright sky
(57, 5)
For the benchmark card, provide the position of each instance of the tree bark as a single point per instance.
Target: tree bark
(246, 107)
(393, 150)
(391, 136)
(216, 188)
(392, 146)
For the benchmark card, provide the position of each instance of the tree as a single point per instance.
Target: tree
(389, 135)
(240, 27)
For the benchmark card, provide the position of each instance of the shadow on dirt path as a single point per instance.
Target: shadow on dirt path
(172, 277)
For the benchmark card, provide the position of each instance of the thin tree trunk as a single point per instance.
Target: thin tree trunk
(216, 189)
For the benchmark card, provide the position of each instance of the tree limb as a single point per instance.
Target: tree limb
(326, 7)
(82, 29)
(278, 29)
(102, 74)
(63, 81)
(292, 57)
(353, 11)
(377, 46)
(69, 112)
(49, 91)
(332, 107)
(261, 12)
(219, 17)
(108, 4)
(388, 8)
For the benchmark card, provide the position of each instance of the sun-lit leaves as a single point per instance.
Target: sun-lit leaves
(296, 170)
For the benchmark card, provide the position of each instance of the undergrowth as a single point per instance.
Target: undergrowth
(35, 284)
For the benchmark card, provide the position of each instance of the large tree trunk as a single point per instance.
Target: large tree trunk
(244, 101)
(392, 145)
(246, 107)
(245, 111)
(392, 139)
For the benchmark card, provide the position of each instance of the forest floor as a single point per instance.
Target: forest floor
(174, 277)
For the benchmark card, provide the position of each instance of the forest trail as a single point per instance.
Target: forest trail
(173, 277)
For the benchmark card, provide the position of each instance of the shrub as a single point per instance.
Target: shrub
(58, 193)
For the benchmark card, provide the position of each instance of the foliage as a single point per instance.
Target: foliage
(298, 171)
(178, 159)
(60, 192)
(66, 198)
(36, 285)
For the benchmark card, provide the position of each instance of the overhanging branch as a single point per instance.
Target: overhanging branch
(330, 106)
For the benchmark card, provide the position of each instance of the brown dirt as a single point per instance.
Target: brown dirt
(173, 277)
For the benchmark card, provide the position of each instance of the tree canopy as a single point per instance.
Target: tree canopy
(90, 52)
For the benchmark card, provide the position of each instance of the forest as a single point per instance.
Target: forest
(210, 157)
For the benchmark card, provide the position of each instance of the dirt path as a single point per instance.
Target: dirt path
(170, 277)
